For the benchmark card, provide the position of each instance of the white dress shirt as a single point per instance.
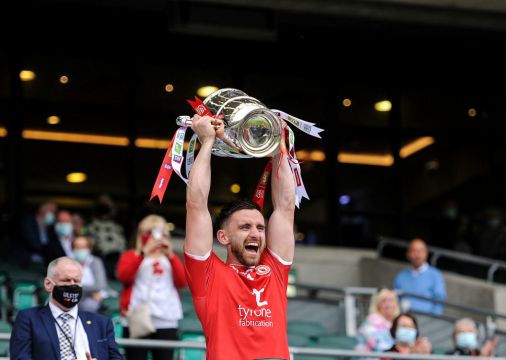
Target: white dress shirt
(79, 336)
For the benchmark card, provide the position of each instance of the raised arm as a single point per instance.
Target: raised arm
(199, 226)
(280, 237)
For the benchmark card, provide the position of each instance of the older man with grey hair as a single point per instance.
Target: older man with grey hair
(465, 337)
(59, 330)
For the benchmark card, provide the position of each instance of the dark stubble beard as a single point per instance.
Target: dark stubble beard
(238, 251)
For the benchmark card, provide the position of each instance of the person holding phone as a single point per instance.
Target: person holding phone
(152, 273)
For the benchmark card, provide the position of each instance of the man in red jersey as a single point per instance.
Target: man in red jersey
(241, 303)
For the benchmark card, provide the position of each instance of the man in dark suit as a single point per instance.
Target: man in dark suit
(59, 330)
(62, 235)
(35, 233)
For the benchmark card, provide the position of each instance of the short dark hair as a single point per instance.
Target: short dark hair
(233, 206)
(393, 329)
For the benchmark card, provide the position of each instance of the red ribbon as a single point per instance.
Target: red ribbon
(199, 107)
(164, 174)
(166, 168)
(259, 195)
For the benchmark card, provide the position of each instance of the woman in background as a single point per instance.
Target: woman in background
(374, 333)
(152, 273)
(406, 336)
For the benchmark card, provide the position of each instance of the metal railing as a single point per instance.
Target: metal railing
(294, 350)
(349, 296)
(437, 253)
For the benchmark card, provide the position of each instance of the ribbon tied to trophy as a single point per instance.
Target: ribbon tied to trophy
(250, 130)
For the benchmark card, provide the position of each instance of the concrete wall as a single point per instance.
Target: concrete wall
(330, 266)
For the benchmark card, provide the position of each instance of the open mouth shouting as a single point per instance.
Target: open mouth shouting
(252, 247)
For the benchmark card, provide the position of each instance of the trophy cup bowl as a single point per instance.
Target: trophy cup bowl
(253, 128)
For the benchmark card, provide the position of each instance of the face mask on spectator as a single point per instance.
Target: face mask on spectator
(405, 335)
(49, 218)
(467, 340)
(67, 295)
(63, 228)
(81, 255)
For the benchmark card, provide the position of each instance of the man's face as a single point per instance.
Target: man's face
(465, 328)
(64, 217)
(245, 231)
(65, 273)
(47, 207)
(417, 253)
(388, 306)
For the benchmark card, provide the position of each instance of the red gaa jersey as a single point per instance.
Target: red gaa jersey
(242, 309)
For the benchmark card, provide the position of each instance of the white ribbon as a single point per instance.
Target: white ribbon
(177, 152)
(302, 125)
(300, 189)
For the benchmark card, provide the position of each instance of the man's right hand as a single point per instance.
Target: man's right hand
(203, 126)
(489, 347)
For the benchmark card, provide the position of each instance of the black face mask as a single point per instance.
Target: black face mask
(67, 295)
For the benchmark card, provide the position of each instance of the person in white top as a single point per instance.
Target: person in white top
(59, 330)
(152, 274)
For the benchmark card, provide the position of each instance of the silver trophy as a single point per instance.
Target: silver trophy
(251, 129)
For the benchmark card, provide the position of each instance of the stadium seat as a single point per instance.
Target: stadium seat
(24, 295)
(190, 325)
(307, 328)
(343, 342)
(110, 305)
(192, 354)
(298, 340)
(116, 322)
(5, 327)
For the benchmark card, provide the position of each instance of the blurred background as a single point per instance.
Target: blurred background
(410, 94)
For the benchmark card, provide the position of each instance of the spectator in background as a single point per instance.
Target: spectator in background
(35, 234)
(60, 330)
(94, 280)
(109, 236)
(61, 243)
(374, 332)
(79, 224)
(405, 333)
(465, 338)
(421, 279)
(152, 273)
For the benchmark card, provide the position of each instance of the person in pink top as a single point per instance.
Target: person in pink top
(374, 332)
(241, 303)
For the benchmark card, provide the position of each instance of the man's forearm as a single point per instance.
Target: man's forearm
(283, 187)
(199, 183)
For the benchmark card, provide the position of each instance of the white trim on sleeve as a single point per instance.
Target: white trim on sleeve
(284, 262)
(199, 257)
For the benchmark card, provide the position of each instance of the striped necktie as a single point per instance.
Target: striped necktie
(65, 338)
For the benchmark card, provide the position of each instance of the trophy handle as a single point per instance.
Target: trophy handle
(184, 120)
